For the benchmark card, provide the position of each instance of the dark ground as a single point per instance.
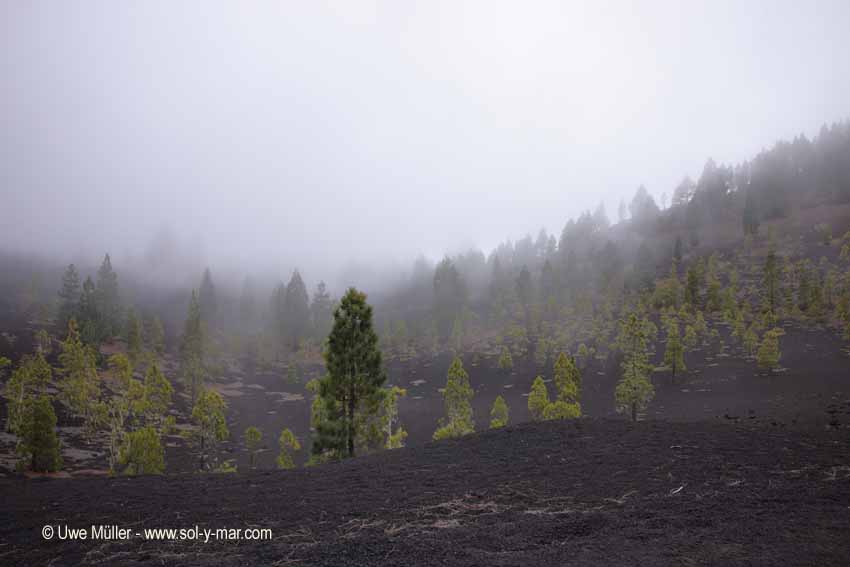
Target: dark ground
(588, 492)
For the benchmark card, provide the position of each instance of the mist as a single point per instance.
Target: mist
(260, 137)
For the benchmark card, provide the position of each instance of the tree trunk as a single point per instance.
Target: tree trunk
(634, 411)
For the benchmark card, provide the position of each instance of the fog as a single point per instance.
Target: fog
(347, 139)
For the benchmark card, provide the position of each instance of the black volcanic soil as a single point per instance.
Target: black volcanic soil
(586, 492)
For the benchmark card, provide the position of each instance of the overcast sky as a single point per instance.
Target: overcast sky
(283, 133)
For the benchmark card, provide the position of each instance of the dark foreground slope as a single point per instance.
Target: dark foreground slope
(578, 493)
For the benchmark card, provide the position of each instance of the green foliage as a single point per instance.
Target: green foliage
(142, 452)
(108, 302)
(692, 286)
(157, 336)
(288, 444)
(69, 295)
(253, 438)
(395, 434)
(506, 361)
(751, 341)
(92, 322)
(750, 216)
(538, 399)
(192, 349)
(351, 391)
(567, 379)
(208, 415)
(457, 396)
(39, 444)
(768, 352)
(561, 409)
(158, 394)
(44, 343)
(29, 379)
(845, 246)
(674, 355)
(80, 385)
(739, 326)
(449, 296)
(321, 310)
(634, 390)
(499, 415)
(583, 355)
(293, 312)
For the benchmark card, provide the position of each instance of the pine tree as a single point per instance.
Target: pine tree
(506, 362)
(768, 353)
(288, 443)
(69, 307)
(192, 349)
(538, 399)
(395, 434)
(158, 394)
(39, 444)
(207, 299)
(142, 452)
(44, 344)
(253, 438)
(157, 336)
(449, 296)
(127, 402)
(525, 293)
(674, 356)
(583, 355)
(108, 301)
(457, 396)
(80, 385)
(295, 311)
(92, 323)
(750, 217)
(567, 379)
(351, 390)
(560, 409)
(28, 380)
(321, 310)
(499, 413)
(751, 341)
(692, 288)
(208, 415)
(634, 390)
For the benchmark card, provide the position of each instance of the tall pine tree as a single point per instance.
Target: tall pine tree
(296, 311)
(108, 300)
(207, 299)
(351, 391)
(69, 307)
(192, 349)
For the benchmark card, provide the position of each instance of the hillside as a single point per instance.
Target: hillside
(587, 492)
